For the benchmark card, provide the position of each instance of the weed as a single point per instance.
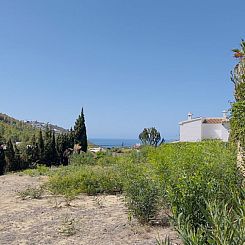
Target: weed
(99, 200)
(32, 193)
(166, 241)
(68, 227)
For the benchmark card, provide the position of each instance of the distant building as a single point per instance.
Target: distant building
(202, 128)
(96, 149)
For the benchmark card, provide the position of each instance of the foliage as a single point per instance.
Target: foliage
(193, 173)
(11, 164)
(238, 122)
(83, 159)
(80, 135)
(50, 153)
(198, 182)
(40, 170)
(16, 130)
(166, 241)
(142, 197)
(238, 108)
(2, 161)
(225, 226)
(68, 227)
(40, 144)
(72, 180)
(32, 193)
(150, 136)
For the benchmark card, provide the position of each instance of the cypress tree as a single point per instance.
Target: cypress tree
(2, 161)
(40, 145)
(10, 156)
(32, 151)
(54, 157)
(80, 134)
(48, 152)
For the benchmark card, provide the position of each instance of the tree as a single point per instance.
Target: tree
(238, 107)
(50, 153)
(54, 158)
(2, 161)
(80, 135)
(10, 156)
(40, 145)
(150, 136)
(35, 151)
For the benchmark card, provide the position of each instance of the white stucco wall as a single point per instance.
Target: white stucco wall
(211, 131)
(225, 131)
(215, 131)
(191, 131)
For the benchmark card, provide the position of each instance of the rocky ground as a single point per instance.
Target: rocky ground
(49, 220)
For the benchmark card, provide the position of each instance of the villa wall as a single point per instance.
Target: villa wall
(215, 131)
(191, 131)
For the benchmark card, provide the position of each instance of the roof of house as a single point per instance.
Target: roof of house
(207, 120)
(214, 120)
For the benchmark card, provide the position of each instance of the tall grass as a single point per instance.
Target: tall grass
(198, 182)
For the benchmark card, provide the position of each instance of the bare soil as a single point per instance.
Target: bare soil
(88, 220)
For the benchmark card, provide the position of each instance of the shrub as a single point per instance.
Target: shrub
(87, 158)
(38, 171)
(92, 180)
(32, 193)
(142, 198)
(225, 224)
(193, 173)
(141, 190)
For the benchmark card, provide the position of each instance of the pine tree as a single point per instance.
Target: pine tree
(80, 135)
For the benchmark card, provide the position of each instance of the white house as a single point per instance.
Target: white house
(201, 128)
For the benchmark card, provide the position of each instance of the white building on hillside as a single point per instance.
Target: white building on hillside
(201, 128)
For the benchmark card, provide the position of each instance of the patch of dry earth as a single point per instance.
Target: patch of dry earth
(89, 220)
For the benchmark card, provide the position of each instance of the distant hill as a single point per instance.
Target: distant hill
(22, 131)
(42, 126)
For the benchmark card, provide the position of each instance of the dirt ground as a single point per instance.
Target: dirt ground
(88, 220)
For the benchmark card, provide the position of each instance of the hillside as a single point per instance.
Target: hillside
(23, 131)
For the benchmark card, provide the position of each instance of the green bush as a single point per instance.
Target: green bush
(38, 171)
(87, 158)
(141, 189)
(142, 198)
(225, 224)
(193, 173)
(72, 180)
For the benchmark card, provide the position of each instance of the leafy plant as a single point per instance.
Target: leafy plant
(32, 193)
(68, 227)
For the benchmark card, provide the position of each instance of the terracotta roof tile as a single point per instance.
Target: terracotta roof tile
(214, 120)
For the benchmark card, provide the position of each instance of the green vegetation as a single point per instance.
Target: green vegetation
(80, 135)
(238, 107)
(16, 130)
(198, 182)
(32, 193)
(37, 146)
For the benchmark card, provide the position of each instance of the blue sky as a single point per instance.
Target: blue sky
(130, 63)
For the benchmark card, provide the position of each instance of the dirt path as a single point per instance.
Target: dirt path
(89, 220)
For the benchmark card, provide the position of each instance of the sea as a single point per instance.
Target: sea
(110, 143)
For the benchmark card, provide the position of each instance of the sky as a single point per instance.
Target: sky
(130, 64)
